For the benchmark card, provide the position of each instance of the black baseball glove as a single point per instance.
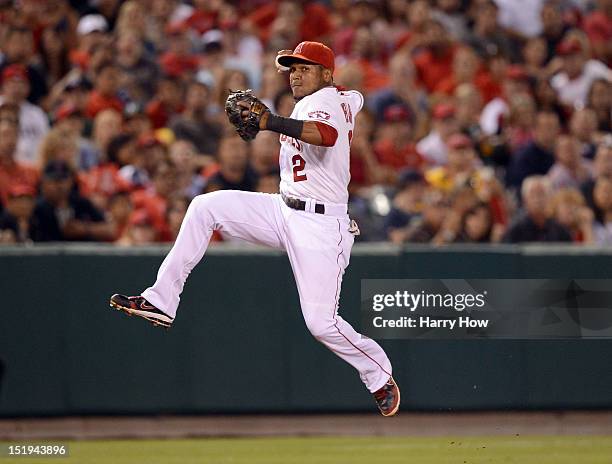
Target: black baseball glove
(238, 101)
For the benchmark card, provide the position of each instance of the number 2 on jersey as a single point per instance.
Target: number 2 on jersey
(299, 164)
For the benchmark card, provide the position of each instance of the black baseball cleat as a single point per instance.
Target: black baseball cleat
(138, 306)
(388, 398)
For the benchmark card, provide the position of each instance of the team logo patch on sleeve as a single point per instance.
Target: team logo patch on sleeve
(319, 114)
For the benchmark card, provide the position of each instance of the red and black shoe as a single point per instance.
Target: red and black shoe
(138, 306)
(388, 398)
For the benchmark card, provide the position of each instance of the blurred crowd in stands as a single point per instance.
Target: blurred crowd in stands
(485, 120)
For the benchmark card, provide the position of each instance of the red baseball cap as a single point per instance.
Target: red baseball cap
(443, 111)
(516, 72)
(15, 71)
(396, 113)
(458, 141)
(21, 190)
(65, 111)
(569, 46)
(310, 52)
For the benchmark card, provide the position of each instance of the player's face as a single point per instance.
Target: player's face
(305, 79)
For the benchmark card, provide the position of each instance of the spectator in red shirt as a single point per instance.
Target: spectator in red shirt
(396, 148)
(313, 19)
(467, 69)
(598, 27)
(435, 61)
(12, 173)
(204, 16)
(104, 94)
(154, 200)
(168, 102)
(178, 61)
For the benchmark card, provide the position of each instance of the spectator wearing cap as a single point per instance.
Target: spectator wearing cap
(434, 61)
(598, 27)
(464, 175)
(535, 223)
(103, 181)
(195, 123)
(12, 172)
(538, 156)
(138, 73)
(516, 81)
(234, 171)
(178, 60)
(395, 147)
(92, 33)
(578, 73)
(433, 147)
(69, 119)
(602, 196)
(154, 198)
(33, 123)
(15, 220)
(62, 214)
(104, 94)
(167, 103)
(486, 37)
(402, 90)
(406, 208)
(17, 48)
(570, 169)
(461, 165)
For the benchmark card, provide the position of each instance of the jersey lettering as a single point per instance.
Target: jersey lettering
(294, 143)
(348, 114)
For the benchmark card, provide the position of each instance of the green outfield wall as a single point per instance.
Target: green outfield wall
(239, 343)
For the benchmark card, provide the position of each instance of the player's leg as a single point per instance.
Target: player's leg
(254, 217)
(319, 248)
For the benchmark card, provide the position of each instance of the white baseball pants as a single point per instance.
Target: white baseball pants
(318, 246)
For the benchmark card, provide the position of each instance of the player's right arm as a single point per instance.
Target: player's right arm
(311, 132)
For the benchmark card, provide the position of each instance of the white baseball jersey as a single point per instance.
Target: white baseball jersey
(321, 173)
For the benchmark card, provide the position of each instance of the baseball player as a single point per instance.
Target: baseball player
(308, 219)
